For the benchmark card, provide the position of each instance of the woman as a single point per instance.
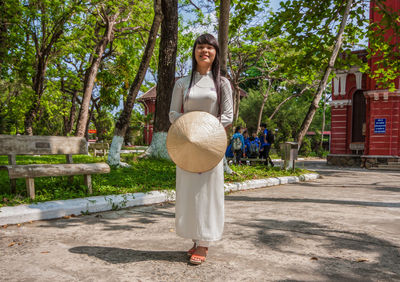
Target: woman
(199, 209)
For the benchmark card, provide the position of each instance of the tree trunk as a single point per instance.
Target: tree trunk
(89, 120)
(3, 35)
(223, 29)
(265, 98)
(322, 85)
(91, 74)
(125, 117)
(166, 78)
(38, 89)
(237, 100)
(71, 120)
(323, 125)
(98, 124)
(44, 50)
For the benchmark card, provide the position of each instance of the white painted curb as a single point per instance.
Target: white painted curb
(57, 209)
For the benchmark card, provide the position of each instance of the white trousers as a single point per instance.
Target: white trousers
(201, 243)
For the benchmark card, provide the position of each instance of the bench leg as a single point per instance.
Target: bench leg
(71, 179)
(13, 185)
(30, 187)
(88, 182)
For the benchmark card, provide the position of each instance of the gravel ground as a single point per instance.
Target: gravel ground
(342, 227)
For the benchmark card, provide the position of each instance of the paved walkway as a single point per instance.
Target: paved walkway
(344, 226)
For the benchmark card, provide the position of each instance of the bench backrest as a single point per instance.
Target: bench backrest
(42, 145)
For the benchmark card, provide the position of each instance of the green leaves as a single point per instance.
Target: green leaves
(384, 47)
(310, 28)
(29, 31)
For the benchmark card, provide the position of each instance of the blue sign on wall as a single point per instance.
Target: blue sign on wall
(380, 125)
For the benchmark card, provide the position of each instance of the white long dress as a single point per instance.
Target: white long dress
(199, 209)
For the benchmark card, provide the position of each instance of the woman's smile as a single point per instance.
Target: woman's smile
(205, 54)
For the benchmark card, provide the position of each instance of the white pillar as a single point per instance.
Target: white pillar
(335, 86)
(358, 79)
(342, 78)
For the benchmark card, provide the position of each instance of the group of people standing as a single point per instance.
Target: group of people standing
(254, 146)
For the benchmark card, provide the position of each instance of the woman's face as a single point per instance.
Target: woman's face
(205, 55)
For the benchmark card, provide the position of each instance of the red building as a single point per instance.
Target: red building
(148, 99)
(365, 121)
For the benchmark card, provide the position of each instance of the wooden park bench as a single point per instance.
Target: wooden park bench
(13, 145)
(97, 148)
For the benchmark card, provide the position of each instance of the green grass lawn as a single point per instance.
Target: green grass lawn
(143, 175)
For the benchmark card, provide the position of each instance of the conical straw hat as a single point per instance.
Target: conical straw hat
(196, 141)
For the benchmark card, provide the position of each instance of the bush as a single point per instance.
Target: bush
(305, 149)
(143, 176)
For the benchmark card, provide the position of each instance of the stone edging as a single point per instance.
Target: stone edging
(58, 209)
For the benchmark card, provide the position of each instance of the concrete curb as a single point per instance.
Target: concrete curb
(58, 209)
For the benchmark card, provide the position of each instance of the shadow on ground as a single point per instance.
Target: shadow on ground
(316, 201)
(339, 254)
(148, 215)
(118, 255)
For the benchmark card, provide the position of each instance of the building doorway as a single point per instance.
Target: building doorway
(358, 126)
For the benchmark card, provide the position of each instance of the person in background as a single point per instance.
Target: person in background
(254, 147)
(228, 152)
(256, 139)
(246, 143)
(265, 145)
(237, 144)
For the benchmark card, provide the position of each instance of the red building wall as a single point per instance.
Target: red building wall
(383, 143)
(149, 107)
(341, 121)
(379, 104)
(339, 130)
(382, 104)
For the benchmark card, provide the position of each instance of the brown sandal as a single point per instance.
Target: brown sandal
(191, 251)
(198, 259)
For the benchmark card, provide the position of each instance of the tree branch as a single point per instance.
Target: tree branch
(128, 28)
(287, 100)
(191, 2)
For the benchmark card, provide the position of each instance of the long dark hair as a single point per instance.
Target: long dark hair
(208, 39)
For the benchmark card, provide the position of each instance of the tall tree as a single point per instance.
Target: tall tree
(109, 19)
(322, 85)
(323, 121)
(166, 77)
(249, 59)
(124, 119)
(317, 31)
(45, 24)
